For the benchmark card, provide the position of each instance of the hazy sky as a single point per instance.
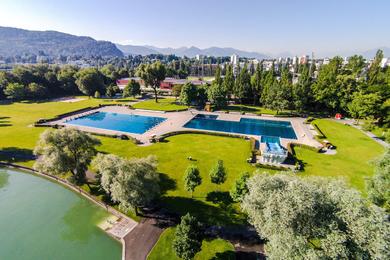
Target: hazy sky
(269, 26)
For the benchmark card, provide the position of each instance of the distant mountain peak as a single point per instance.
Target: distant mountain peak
(191, 51)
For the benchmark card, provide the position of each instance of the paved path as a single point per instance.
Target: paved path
(140, 241)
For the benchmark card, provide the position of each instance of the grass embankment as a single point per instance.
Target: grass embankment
(355, 151)
(163, 104)
(211, 249)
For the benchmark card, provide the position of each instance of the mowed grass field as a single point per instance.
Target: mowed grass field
(354, 158)
(211, 202)
(163, 104)
(211, 249)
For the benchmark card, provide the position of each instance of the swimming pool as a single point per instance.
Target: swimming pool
(135, 124)
(248, 126)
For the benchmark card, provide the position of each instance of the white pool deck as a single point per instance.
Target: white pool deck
(176, 120)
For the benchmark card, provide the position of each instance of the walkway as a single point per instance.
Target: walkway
(140, 241)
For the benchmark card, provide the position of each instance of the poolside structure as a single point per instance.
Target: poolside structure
(271, 150)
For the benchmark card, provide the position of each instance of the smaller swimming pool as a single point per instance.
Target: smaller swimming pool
(135, 124)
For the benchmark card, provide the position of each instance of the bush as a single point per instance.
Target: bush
(97, 94)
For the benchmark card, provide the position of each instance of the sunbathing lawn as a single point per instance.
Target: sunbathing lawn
(249, 109)
(211, 249)
(211, 202)
(355, 151)
(164, 104)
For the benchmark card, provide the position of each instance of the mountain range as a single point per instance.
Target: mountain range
(188, 51)
(14, 41)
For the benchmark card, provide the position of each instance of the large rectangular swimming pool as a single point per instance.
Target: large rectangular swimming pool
(118, 122)
(247, 126)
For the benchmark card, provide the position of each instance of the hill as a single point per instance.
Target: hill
(15, 41)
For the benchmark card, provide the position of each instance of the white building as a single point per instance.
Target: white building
(234, 59)
(385, 62)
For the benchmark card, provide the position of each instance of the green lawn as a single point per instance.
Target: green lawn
(211, 249)
(355, 151)
(211, 202)
(249, 109)
(164, 104)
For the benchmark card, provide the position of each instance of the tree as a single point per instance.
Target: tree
(314, 218)
(240, 188)
(242, 87)
(356, 65)
(302, 94)
(192, 178)
(89, 81)
(152, 75)
(132, 89)
(373, 74)
(66, 78)
(325, 89)
(15, 91)
(256, 83)
(112, 90)
(268, 81)
(216, 92)
(218, 173)
(65, 150)
(379, 185)
(107, 167)
(36, 91)
(228, 81)
(364, 105)
(176, 90)
(188, 238)
(132, 183)
(188, 94)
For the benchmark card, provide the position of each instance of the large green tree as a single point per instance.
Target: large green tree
(302, 94)
(132, 183)
(217, 92)
(374, 72)
(314, 218)
(242, 86)
(188, 238)
(256, 83)
(325, 89)
(228, 80)
(189, 94)
(131, 89)
(15, 91)
(65, 150)
(152, 75)
(89, 81)
(364, 105)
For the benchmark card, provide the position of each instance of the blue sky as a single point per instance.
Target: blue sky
(296, 26)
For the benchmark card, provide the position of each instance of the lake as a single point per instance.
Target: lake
(40, 219)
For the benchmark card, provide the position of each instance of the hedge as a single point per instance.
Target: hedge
(164, 136)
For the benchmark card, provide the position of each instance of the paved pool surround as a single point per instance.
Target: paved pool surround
(175, 121)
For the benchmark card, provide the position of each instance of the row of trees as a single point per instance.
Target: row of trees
(132, 183)
(192, 178)
(44, 81)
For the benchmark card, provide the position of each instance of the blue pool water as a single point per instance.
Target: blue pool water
(118, 122)
(249, 126)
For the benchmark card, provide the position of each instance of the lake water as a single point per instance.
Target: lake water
(118, 122)
(248, 126)
(40, 219)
